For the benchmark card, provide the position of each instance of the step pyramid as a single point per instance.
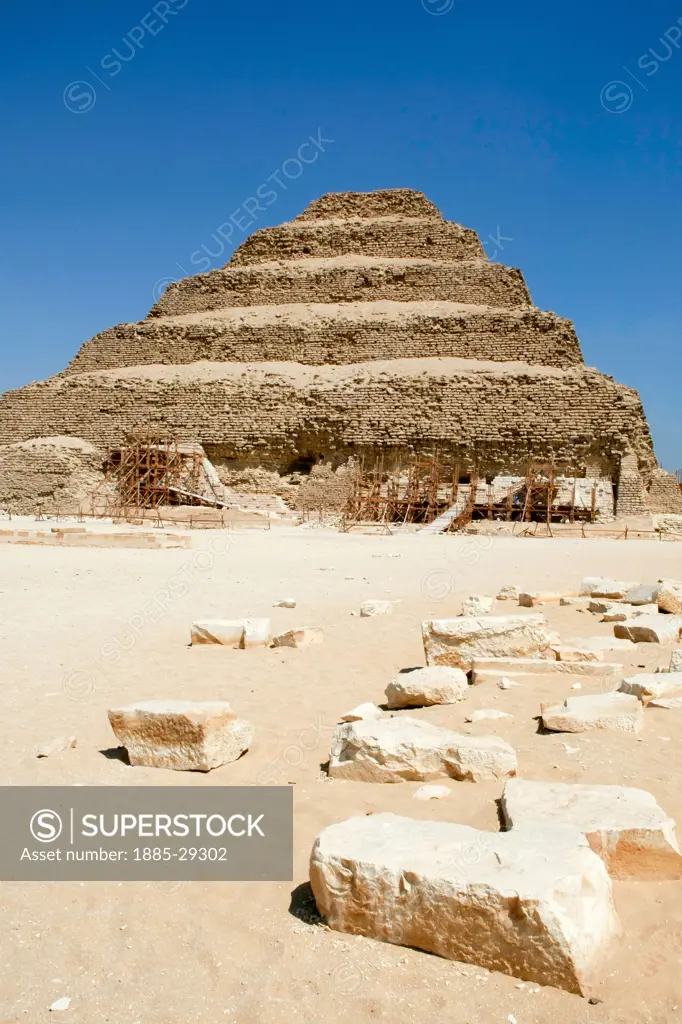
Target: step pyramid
(369, 324)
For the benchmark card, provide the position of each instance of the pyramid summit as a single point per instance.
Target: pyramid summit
(369, 325)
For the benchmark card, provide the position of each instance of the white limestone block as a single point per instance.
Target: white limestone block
(675, 662)
(184, 735)
(484, 713)
(302, 636)
(534, 598)
(650, 629)
(601, 586)
(533, 903)
(457, 642)
(613, 710)
(648, 686)
(241, 633)
(669, 597)
(510, 592)
(367, 710)
(625, 826)
(423, 687)
(398, 749)
(644, 593)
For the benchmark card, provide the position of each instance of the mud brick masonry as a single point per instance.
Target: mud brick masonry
(369, 324)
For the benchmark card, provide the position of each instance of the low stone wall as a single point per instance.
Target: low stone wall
(335, 335)
(499, 414)
(346, 280)
(384, 237)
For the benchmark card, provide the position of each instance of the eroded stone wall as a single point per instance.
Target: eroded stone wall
(346, 279)
(393, 237)
(331, 335)
(402, 202)
(498, 414)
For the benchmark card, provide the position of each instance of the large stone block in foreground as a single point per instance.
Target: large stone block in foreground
(407, 749)
(533, 903)
(634, 837)
(184, 735)
(457, 642)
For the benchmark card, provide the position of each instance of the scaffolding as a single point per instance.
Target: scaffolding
(153, 470)
(417, 494)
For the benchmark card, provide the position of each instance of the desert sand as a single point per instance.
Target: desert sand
(169, 952)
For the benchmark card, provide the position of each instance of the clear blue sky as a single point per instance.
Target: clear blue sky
(493, 109)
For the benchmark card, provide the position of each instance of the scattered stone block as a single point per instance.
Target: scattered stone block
(601, 586)
(361, 712)
(399, 749)
(484, 713)
(669, 598)
(532, 599)
(510, 592)
(619, 613)
(579, 602)
(302, 636)
(648, 686)
(599, 643)
(644, 593)
(183, 735)
(624, 826)
(477, 605)
(620, 712)
(287, 602)
(240, 633)
(431, 793)
(256, 633)
(534, 903)
(485, 670)
(457, 642)
(55, 746)
(426, 686)
(651, 629)
(601, 607)
(368, 609)
(571, 653)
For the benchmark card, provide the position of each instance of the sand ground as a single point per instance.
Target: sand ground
(210, 952)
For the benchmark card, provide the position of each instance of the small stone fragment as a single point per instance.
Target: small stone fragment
(183, 735)
(423, 687)
(431, 793)
(618, 613)
(398, 749)
(510, 592)
(578, 602)
(60, 1004)
(532, 599)
(624, 826)
(506, 684)
(287, 602)
(55, 746)
(569, 653)
(533, 903)
(368, 609)
(477, 605)
(302, 636)
(480, 716)
(361, 712)
(613, 710)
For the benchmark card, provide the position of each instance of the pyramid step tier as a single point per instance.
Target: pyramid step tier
(327, 333)
(393, 237)
(390, 202)
(496, 414)
(346, 279)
